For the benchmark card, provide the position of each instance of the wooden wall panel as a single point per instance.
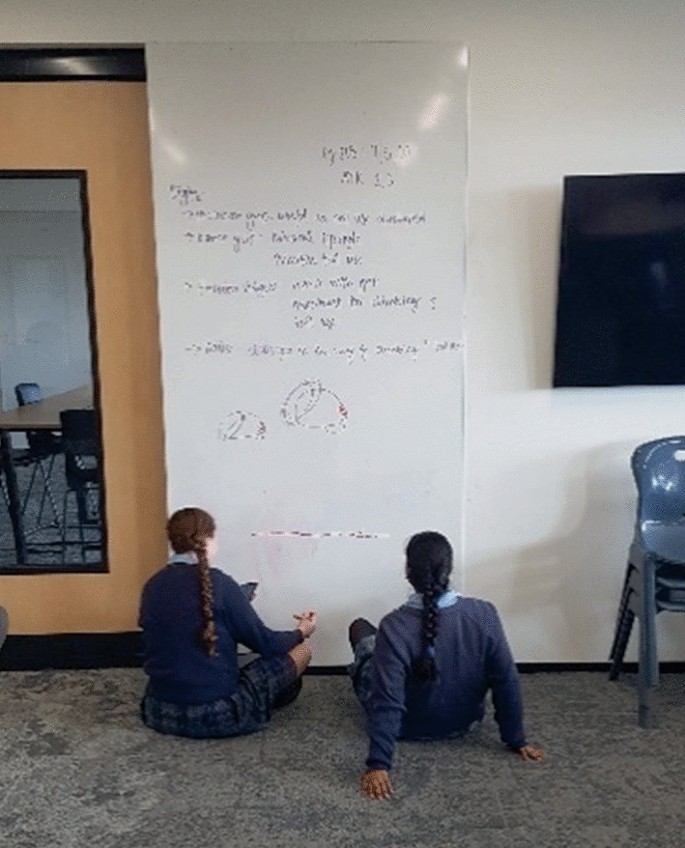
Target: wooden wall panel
(102, 128)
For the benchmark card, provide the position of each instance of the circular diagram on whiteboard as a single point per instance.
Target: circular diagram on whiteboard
(241, 425)
(315, 407)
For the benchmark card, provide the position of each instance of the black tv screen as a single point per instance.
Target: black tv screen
(621, 296)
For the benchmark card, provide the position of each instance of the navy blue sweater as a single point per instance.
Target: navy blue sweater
(175, 657)
(472, 656)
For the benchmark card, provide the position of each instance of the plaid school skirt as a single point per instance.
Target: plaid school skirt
(245, 711)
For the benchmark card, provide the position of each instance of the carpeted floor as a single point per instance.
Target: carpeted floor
(78, 769)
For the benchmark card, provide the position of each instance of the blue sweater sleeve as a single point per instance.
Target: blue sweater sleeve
(387, 701)
(503, 678)
(246, 627)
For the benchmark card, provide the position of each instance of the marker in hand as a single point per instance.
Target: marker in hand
(305, 616)
(306, 622)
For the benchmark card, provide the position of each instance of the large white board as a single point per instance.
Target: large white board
(309, 212)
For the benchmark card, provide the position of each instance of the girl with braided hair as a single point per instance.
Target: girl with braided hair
(425, 672)
(193, 617)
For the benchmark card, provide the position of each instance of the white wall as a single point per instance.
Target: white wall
(44, 319)
(40, 195)
(556, 87)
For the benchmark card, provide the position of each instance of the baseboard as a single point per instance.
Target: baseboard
(328, 670)
(71, 651)
(124, 650)
(628, 667)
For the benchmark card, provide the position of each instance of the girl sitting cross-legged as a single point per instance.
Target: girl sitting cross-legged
(192, 617)
(425, 672)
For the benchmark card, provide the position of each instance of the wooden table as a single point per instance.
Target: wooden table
(43, 415)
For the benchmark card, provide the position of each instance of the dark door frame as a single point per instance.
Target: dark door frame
(64, 64)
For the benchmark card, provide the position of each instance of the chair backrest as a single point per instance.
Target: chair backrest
(27, 393)
(79, 432)
(659, 471)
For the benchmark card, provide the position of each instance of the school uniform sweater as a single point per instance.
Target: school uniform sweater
(472, 656)
(175, 657)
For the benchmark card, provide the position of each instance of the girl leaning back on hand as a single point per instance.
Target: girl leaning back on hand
(425, 672)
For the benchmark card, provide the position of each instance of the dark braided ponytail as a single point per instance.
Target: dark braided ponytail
(429, 564)
(188, 530)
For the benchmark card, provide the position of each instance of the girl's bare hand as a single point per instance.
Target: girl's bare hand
(376, 784)
(532, 753)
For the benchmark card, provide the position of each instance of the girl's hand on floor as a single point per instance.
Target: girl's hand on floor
(376, 784)
(531, 752)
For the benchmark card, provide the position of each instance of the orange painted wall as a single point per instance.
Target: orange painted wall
(102, 128)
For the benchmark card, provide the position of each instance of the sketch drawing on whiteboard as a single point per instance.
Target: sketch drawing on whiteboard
(327, 534)
(315, 407)
(241, 425)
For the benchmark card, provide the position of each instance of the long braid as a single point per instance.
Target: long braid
(188, 530)
(430, 628)
(429, 563)
(209, 634)
(425, 665)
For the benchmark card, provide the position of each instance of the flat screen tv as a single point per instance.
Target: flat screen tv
(621, 295)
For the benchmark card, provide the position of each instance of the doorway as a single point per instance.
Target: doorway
(100, 128)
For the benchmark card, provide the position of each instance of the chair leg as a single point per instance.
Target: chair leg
(646, 716)
(648, 668)
(41, 506)
(621, 640)
(29, 488)
(82, 512)
(622, 608)
(83, 525)
(65, 507)
(47, 492)
(81, 505)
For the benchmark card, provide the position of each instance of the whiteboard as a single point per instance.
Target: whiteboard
(309, 213)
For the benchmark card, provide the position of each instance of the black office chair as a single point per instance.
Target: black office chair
(43, 447)
(3, 489)
(81, 446)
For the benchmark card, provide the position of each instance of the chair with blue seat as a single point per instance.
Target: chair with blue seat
(43, 442)
(655, 575)
(27, 393)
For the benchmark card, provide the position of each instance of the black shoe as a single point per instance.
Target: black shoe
(359, 629)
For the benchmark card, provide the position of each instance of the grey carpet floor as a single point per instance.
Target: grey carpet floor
(77, 768)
